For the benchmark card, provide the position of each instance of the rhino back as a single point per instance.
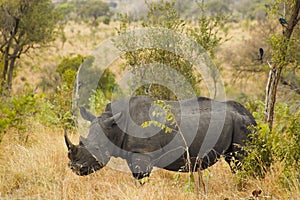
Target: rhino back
(194, 122)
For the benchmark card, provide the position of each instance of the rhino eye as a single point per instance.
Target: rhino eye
(69, 154)
(72, 153)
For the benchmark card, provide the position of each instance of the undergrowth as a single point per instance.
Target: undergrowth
(281, 146)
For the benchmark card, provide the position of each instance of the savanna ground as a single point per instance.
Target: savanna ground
(37, 169)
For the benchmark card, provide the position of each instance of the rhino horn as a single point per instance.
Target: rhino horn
(111, 120)
(68, 141)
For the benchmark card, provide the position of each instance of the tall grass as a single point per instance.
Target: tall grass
(38, 170)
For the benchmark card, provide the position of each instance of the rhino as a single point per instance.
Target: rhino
(201, 131)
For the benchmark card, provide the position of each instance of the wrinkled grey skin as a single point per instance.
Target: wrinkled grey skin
(117, 132)
(82, 162)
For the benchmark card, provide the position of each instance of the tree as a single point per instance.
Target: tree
(163, 14)
(280, 61)
(93, 9)
(216, 7)
(251, 9)
(64, 10)
(280, 50)
(24, 24)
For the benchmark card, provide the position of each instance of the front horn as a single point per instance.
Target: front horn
(68, 141)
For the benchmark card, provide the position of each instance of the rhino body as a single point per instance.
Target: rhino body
(206, 128)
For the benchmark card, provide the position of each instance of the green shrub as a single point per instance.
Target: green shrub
(68, 68)
(106, 20)
(282, 145)
(98, 101)
(61, 102)
(17, 113)
(164, 14)
(287, 145)
(57, 110)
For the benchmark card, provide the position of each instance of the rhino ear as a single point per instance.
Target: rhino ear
(111, 120)
(82, 141)
(86, 114)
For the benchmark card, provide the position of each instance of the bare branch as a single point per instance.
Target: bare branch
(3, 45)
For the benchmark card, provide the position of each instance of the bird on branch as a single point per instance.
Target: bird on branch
(261, 54)
(283, 22)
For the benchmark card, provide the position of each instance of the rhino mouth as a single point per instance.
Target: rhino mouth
(84, 169)
(82, 162)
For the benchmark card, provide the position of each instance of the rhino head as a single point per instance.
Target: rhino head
(91, 154)
(82, 162)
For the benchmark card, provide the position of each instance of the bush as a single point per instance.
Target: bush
(17, 113)
(163, 14)
(282, 145)
(61, 101)
(106, 20)
(68, 68)
(57, 110)
(98, 101)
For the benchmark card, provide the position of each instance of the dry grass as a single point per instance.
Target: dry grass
(38, 170)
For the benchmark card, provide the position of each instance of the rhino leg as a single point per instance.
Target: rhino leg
(233, 157)
(209, 159)
(140, 165)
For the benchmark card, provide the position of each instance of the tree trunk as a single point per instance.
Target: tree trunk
(9, 60)
(11, 69)
(5, 67)
(275, 71)
(271, 90)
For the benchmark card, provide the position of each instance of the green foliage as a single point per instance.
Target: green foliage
(98, 101)
(61, 101)
(107, 83)
(68, 68)
(84, 11)
(252, 9)
(58, 109)
(60, 105)
(282, 145)
(288, 148)
(258, 153)
(93, 9)
(64, 10)
(216, 7)
(16, 113)
(275, 7)
(206, 32)
(277, 44)
(23, 25)
(163, 14)
(106, 20)
(162, 109)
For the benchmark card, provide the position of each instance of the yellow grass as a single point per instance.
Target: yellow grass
(38, 170)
